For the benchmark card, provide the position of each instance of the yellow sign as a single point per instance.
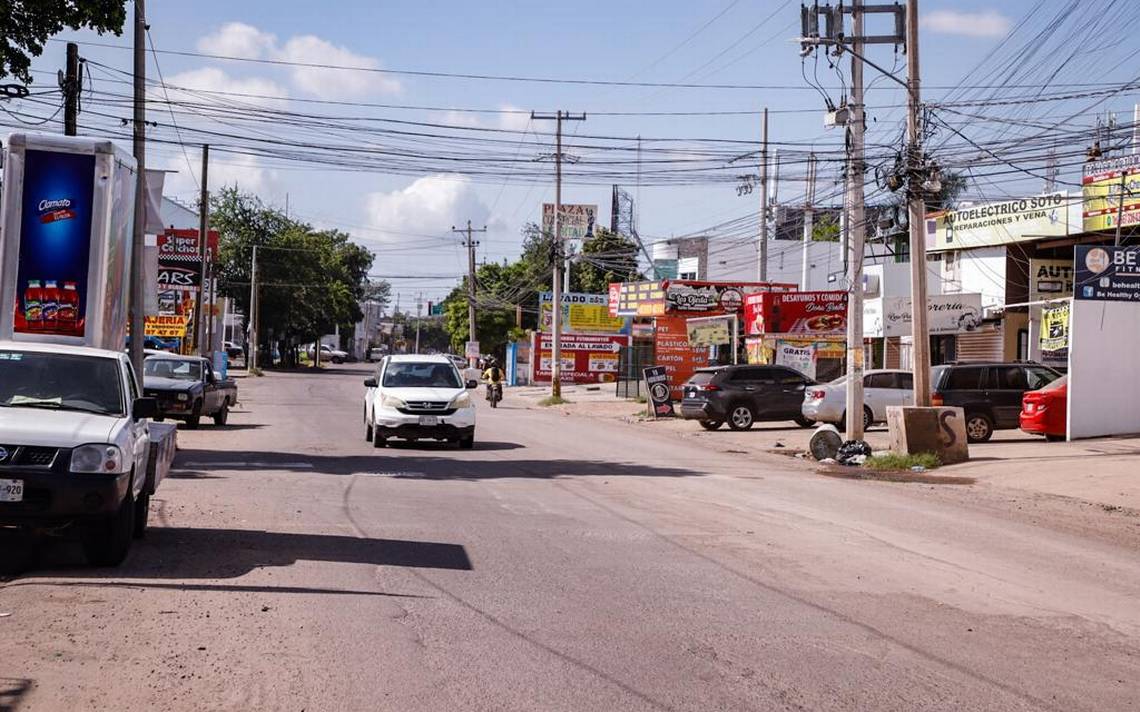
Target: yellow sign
(1102, 183)
(1055, 328)
(165, 327)
(710, 332)
(581, 313)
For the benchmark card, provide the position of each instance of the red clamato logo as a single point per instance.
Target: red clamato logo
(56, 210)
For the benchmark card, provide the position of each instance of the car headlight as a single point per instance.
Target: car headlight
(463, 400)
(183, 396)
(97, 458)
(387, 401)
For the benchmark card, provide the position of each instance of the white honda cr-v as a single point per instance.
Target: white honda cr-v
(416, 397)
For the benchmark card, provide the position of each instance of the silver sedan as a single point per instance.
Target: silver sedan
(827, 402)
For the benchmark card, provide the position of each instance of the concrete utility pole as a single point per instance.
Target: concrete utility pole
(200, 302)
(70, 84)
(762, 266)
(252, 361)
(809, 220)
(138, 241)
(419, 317)
(916, 215)
(856, 228)
(556, 310)
(470, 245)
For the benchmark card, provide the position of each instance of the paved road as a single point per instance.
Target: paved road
(567, 564)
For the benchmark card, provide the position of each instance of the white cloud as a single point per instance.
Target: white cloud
(333, 83)
(246, 172)
(237, 39)
(987, 23)
(259, 91)
(513, 118)
(431, 205)
(456, 118)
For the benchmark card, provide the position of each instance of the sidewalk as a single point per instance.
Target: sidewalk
(1102, 471)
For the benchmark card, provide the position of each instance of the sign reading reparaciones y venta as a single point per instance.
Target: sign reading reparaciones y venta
(1002, 223)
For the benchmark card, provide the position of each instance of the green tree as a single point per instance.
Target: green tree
(606, 257)
(825, 228)
(25, 25)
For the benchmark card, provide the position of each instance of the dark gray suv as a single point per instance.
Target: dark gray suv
(989, 393)
(742, 395)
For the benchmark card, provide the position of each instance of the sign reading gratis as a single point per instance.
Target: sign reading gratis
(1107, 274)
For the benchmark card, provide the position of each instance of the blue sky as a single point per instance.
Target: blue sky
(650, 41)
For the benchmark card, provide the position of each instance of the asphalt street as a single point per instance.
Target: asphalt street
(566, 563)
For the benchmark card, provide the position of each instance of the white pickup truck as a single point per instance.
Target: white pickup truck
(75, 446)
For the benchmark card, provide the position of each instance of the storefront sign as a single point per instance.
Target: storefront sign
(945, 314)
(1001, 223)
(798, 357)
(674, 352)
(660, 394)
(637, 299)
(576, 222)
(1101, 189)
(1107, 273)
(179, 275)
(585, 358)
(165, 327)
(581, 312)
(1055, 332)
(711, 331)
(686, 296)
(54, 243)
(183, 245)
(815, 313)
(1050, 279)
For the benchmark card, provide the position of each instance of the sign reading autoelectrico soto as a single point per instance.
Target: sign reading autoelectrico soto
(54, 243)
(660, 394)
(1110, 274)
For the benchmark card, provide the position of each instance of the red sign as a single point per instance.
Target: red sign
(586, 358)
(808, 313)
(674, 352)
(183, 244)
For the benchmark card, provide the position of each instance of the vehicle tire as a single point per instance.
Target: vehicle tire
(106, 543)
(741, 417)
(1050, 437)
(337, 359)
(222, 415)
(467, 443)
(142, 513)
(194, 417)
(979, 427)
(868, 420)
(711, 424)
(803, 422)
(378, 439)
(367, 429)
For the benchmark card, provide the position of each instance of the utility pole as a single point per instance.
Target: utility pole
(419, 317)
(856, 229)
(916, 215)
(252, 360)
(762, 267)
(71, 85)
(138, 241)
(200, 330)
(556, 310)
(470, 245)
(809, 220)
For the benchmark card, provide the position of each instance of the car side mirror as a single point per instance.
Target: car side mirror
(370, 383)
(472, 383)
(144, 408)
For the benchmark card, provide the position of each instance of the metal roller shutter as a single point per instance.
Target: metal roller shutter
(985, 345)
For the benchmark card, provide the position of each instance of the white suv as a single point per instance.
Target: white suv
(419, 398)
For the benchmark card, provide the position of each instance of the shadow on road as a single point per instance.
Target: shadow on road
(192, 464)
(12, 690)
(213, 587)
(184, 552)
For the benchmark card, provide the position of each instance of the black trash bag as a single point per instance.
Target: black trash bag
(852, 453)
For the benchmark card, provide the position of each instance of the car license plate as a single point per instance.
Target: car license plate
(11, 490)
(429, 420)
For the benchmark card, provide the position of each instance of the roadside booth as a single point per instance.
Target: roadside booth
(806, 331)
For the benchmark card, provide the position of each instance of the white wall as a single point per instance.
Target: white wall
(734, 260)
(894, 277)
(980, 270)
(1104, 373)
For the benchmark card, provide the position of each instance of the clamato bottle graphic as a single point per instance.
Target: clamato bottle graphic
(33, 304)
(68, 310)
(49, 304)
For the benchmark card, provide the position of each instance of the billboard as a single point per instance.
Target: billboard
(1101, 190)
(637, 299)
(586, 358)
(1001, 223)
(807, 313)
(165, 326)
(581, 313)
(674, 352)
(176, 244)
(1107, 274)
(711, 330)
(179, 275)
(576, 222)
(945, 314)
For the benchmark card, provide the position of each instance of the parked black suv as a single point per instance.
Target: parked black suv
(742, 395)
(989, 393)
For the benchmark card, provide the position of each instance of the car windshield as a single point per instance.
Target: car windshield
(172, 368)
(53, 381)
(700, 378)
(421, 375)
(1059, 383)
(842, 380)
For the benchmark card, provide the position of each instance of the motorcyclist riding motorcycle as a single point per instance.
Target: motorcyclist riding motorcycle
(493, 377)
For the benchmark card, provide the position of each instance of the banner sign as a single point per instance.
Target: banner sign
(799, 357)
(637, 299)
(1000, 223)
(54, 243)
(711, 331)
(660, 395)
(576, 222)
(179, 275)
(586, 358)
(674, 353)
(945, 314)
(1110, 274)
(1055, 332)
(1101, 190)
(183, 245)
(581, 312)
(165, 327)
(807, 313)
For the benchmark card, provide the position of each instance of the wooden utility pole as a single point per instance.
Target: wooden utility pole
(70, 85)
(916, 215)
(762, 264)
(251, 361)
(470, 244)
(200, 303)
(138, 242)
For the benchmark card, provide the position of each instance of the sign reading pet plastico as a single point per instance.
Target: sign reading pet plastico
(814, 313)
(586, 358)
(660, 394)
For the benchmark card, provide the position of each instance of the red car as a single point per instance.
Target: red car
(1043, 411)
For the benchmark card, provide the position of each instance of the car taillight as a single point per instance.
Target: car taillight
(708, 387)
(937, 400)
(816, 394)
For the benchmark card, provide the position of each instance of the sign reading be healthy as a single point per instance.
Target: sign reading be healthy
(1107, 274)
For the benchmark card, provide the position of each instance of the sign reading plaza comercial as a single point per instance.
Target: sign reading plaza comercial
(1101, 189)
(576, 222)
(1107, 274)
(1001, 223)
